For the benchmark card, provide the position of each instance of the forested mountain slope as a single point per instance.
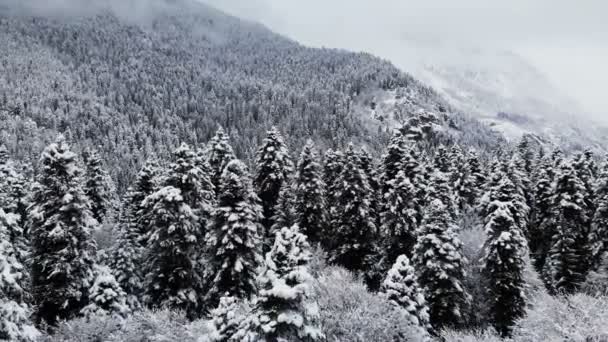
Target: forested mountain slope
(135, 77)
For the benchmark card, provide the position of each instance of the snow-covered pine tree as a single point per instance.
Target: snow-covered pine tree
(332, 167)
(97, 185)
(570, 255)
(392, 160)
(353, 229)
(310, 200)
(283, 311)
(13, 200)
(442, 160)
(194, 185)
(226, 320)
(472, 186)
(439, 188)
(128, 252)
(459, 173)
(106, 297)
(539, 232)
(15, 311)
(526, 153)
(401, 288)
(368, 167)
(284, 212)
(399, 219)
(146, 183)
(126, 266)
(439, 262)
(557, 157)
(14, 190)
(173, 277)
(586, 170)
(599, 224)
(414, 169)
(219, 154)
(234, 242)
(4, 157)
(273, 168)
(63, 251)
(504, 259)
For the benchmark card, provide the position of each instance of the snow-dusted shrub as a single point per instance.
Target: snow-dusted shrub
(476, 336)
(143, 326)
(348, 312)
(576, 318)
(596, 283)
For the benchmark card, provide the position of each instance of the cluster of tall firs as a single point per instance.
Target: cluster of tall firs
(201, 234)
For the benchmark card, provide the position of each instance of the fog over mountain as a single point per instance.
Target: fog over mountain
(565, 41)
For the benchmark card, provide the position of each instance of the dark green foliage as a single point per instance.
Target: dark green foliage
(352, 230)
(310, 196)
(504, 259)
(98, 185)
(63, 252)
(439, 263)
(219, 153)
(173, 278)
(570, 254)
(234, 243)
(274, 168)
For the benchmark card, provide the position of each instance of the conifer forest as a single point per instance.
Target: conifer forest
(186, 175)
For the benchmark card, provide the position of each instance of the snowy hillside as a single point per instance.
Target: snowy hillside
(501, 89)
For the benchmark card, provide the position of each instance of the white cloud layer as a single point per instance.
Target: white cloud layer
(567, 40)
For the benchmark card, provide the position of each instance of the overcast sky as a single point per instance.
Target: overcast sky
(565, 39)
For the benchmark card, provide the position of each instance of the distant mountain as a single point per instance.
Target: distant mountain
(503, 90)
(135, 77)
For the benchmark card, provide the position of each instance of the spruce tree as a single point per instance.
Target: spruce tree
(442, 160)
(353, 227)
(14, 200)
(477, 176)
(439, 188)
(284, 213)
(274, 167)
(310, 200)
(392, 160)
(97, 186)
(234, 242)
(402, 289)
(586, 170)
(128, 252)
(599, 225)
(15, 311)
(14, 189)
(526, 153)
(194, 184)
(332, 168)
(368, 167)
(173, 278)
(539, 233)
(399, 219)
(126, 266)
(439, 262)
(504, 259)
(219, 154)
(63, 252)
(570, 254)
(283, 308)
(106, 297)
(146, 183)
(226, 320)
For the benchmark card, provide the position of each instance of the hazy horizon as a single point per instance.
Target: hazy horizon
(566, 41)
